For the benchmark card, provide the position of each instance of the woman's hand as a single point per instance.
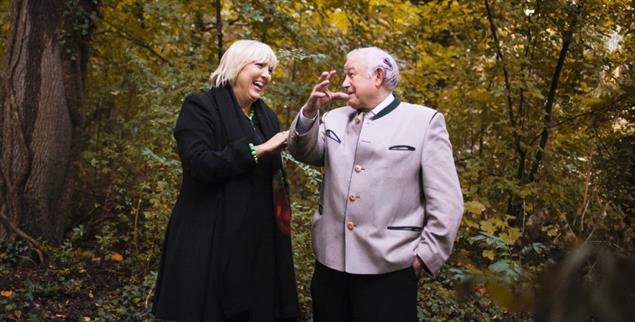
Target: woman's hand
(321, 95)
(277, 142)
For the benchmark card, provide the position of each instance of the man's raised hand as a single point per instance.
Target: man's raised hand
(321, 95)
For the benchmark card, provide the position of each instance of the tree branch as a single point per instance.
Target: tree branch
(41, 253)
(510, 107)
(548, 119)
(135, 40)
(567, 120)
(531, 45)
(219, 29)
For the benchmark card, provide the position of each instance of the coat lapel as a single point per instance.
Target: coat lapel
(235, 124)
(266, 123)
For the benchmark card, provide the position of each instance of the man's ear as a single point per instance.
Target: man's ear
(379, 77)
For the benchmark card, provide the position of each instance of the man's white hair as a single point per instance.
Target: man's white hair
(240, 54)
(378, 58)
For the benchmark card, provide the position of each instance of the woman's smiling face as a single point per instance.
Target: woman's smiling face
(251, 81)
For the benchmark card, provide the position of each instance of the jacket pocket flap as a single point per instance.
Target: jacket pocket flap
(402, 148)
(331, 135)
(408, 228)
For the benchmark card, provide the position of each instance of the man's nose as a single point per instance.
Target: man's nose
(346, 83)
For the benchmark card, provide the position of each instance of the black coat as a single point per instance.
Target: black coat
(208, 222)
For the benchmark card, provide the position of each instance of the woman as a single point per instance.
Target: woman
(227, 250)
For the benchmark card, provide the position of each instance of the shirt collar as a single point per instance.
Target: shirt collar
(381, 105)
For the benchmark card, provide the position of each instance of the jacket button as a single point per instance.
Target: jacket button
(350, 225)
(358, 168)
(352, 197)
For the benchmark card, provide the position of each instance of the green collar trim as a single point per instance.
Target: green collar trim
(391, 107)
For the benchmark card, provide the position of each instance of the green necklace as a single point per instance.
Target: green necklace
(251, 114)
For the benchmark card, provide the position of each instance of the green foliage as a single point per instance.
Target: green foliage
(76, 285)
(437, 302)
(303, 209)
(130, 303)
(12, 252)
(522, 210)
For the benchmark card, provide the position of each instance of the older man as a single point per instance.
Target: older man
(390, 201)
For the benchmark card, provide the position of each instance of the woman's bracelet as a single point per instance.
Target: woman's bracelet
(252, 149)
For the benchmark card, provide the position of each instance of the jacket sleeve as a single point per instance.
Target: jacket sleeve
(200, 152)
(307, 147)
(443, 197)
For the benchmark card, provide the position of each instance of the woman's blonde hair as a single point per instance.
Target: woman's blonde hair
(240, 54)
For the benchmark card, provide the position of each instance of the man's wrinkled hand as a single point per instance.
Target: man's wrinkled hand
(320, 95)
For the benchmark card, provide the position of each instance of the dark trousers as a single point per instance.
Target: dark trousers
(244, 317)
(344, 297)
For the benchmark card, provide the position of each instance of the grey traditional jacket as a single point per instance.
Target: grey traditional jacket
(390, 188)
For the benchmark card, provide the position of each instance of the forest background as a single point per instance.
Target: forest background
(538, 97)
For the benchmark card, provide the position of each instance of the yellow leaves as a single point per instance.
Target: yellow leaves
(490, 225)
(507, 234)
(6, 293)
(510, 235)
(474, 207)
(116, 257)
(339, 20)
(551, 230)
(469, 222)
(488, 253)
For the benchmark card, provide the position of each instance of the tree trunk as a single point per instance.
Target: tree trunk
(43, 97)
(219, 29)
